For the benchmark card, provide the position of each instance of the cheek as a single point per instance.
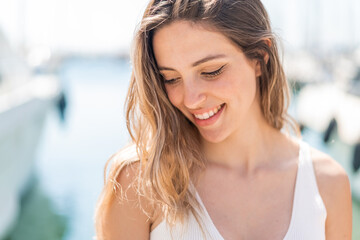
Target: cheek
(239, 86)
(174, 95)
(228, 86)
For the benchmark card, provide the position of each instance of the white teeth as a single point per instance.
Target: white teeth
(208, 114)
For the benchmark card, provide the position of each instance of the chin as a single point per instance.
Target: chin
(213, 137)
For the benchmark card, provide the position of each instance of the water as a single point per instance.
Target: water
(38, 218)
(72, 155)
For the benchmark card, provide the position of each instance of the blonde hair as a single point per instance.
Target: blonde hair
(167, 144)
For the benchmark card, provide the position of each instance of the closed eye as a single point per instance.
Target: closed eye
(214, 73)
(171, 81)
(206, 74)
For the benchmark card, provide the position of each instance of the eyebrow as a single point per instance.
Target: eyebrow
(203, 60)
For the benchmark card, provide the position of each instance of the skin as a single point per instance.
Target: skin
(246, 156)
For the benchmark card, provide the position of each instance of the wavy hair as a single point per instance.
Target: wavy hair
(166, 143)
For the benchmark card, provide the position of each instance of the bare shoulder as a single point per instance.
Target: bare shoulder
(328, 171)
(334, 187)
(330, 175)
(125, 214)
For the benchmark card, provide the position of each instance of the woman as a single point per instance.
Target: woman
(206, 107)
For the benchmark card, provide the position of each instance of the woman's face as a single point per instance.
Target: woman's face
(207, 78)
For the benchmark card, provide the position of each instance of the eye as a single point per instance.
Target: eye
(214, 73)
(171, 81)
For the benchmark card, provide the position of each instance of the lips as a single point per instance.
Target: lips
(209, 117)
(208, 114)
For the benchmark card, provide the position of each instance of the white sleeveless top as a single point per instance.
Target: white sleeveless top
(307, 219)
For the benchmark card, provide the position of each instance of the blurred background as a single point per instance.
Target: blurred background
(64, 72)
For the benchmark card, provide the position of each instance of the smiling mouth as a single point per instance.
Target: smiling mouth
(209, 114)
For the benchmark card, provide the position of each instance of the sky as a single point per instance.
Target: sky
(107, 26)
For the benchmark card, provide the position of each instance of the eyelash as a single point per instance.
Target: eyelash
(214, 73)
(170, 81)
(207, 74)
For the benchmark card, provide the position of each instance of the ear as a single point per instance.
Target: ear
(266, 59)
(266, 55)
(257, 69)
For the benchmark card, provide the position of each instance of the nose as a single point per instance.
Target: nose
(194, 93)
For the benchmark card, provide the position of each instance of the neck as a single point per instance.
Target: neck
(247, 149)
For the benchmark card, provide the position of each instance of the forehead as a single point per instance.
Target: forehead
(182, 43)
